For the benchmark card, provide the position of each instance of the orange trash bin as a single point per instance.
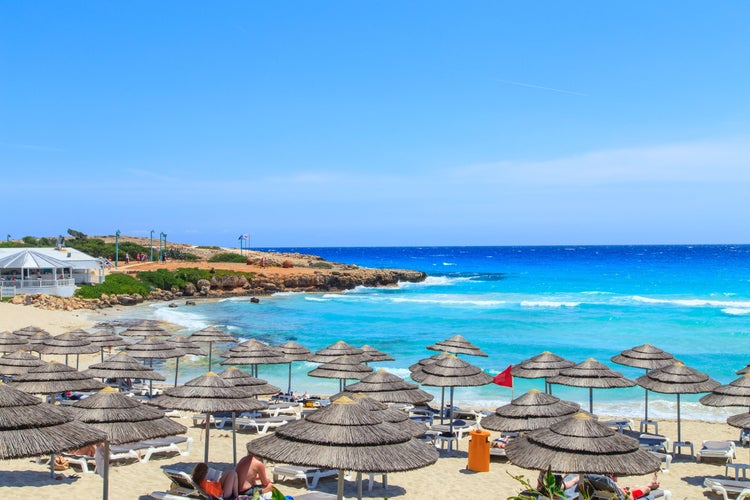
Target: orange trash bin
(479, 451)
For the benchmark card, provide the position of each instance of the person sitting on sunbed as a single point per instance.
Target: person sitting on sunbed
(251, 471)
(215, 482)
(500, 442)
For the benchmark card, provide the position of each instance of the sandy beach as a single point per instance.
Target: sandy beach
(448, 478)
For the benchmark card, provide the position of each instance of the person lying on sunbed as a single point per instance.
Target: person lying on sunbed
(215, 482)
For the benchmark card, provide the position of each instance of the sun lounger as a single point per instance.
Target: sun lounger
(263, 425)
(604, 488)
(166, 445)
(717, 449)
(460, 428)
(664, 457)
(311, 475)
(728, 487)
(182, 487)
(120, 452)
(620, 424)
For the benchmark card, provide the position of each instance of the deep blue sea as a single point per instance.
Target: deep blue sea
(515, 302)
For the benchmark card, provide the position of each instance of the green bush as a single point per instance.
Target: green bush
(321, 265)
(193, 274)
(161, 278)
(115, 283)
(228, 257)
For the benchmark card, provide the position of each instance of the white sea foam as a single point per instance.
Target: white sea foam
(736, 311)
(450, 301)
(449, 263)
(548, 303)
(695, 302)
(189, 320)
(434, 281)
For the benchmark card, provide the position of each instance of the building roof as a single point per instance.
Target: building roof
(46, 258)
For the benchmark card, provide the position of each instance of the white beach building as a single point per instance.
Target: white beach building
(52, 271)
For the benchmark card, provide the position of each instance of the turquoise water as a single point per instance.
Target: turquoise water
(515, 302)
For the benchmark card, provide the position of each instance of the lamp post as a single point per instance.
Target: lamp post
(162, 237)
(117, 247)
(151, 245)
(240, 238)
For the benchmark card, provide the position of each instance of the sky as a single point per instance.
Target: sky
(377, 123)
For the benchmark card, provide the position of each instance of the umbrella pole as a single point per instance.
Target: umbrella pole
(210, 343)
(289, 387)
(77, 357)
(679, 433)
(359, 486)
(52, 465)
(234, 441)
(340, 486)
(645, 413)
(105, 477)
(591, 400)
(150, 382)
(450, 427)
(208, 429)
(102, 354)
(442, 404)
(176, 370)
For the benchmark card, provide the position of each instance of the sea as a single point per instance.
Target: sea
(578, 302)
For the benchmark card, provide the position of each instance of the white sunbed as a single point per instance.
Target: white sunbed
(604, 488)
(166, 445)
(120, 452)
(182, 487)
(717, 449)
(727, 487)
(263, 425)
(311, 475)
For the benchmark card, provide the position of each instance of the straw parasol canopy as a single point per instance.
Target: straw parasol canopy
(345, 436)
(30, 428)
(543, 365)
(103, 336)
(255, 386)
(54, 377)
(428, 361)
(124, 420)
(388, 414)
(644, 356)
(27, 331)
(388, 388)
(18, 362)
(592, 374)
(294, 352)
(187, 345)
(145, 328)
(741, 421)
(736, 393)
(211, 334)
(580, 444)
(66, 343)
(677, 379)
(10, 342)
(208, 394)
(375, 355)
(743, 370)
(343, 368)
(457, 345)
(529, 412)
(333, 351)
(253, 352)
(121, 365)
(154, 348)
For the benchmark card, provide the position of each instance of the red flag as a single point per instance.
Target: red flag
(504, 378)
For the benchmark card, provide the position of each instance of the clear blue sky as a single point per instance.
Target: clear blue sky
(347, 123)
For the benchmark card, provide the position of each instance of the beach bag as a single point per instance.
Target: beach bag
(61, 463)
(277, 495)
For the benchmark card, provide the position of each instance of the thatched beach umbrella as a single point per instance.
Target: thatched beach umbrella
(451, 372)
(53, 378)
(529, 412)
(152, 348)
(30, 428)
(333, 351)
(677, 379)
(208, 394)
(345, 436)
(10, 342)
(145, 328)
(375, 355)
(736, 393)
(543, 365)
(591, 374)
(188, 347)
(388, 388)
(253, 353)
(387, 413)
(211, 334)
(428, 361)
(102, 337)
(124, 420)
(122, 366)
(254, 386)
(579, 444)
(457, 345)
(16, 363)
(27, 331)
(294, 352)
(343, 368)
(66, 343)
(644, 356)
